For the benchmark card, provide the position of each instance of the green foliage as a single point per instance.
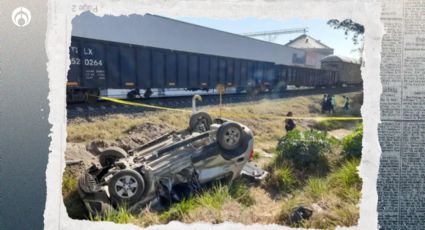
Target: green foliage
(69, 183)
(120, 216)
(178, 210)
(214, 198)
(304, 149)
(316, 187)
(286, 179)
(347, 175)
(352, 144)
(348, 26)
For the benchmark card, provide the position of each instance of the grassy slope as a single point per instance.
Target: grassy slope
(258, 203)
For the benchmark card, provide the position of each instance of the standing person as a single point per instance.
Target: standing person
(289, 122)
(333, 102)
(323, 104)
(346, 103)
(328, 104)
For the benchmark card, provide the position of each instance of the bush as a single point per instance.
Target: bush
(304, 149)
(352, 144)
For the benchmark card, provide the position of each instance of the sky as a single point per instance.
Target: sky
(317, 29)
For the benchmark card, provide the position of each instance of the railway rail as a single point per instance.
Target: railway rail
(103, 107)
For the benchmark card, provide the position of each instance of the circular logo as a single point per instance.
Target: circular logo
(21, 16)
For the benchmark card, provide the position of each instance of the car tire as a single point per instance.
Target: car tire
(230, 136)
(200, 122)
(126, 187)
(110, 155)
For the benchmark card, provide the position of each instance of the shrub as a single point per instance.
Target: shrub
(304, 149)
(352, 144)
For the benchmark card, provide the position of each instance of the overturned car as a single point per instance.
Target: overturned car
(170, 167)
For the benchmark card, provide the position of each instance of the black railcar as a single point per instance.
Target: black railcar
(97, 64)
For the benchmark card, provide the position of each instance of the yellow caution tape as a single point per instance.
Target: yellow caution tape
(124, 102)
(230, 115)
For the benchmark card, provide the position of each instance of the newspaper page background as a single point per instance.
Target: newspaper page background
(401, 203)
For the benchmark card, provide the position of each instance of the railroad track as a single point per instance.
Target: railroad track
(106, 107)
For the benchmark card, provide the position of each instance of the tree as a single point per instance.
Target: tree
(349, 27)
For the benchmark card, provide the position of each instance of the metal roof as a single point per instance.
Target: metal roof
(162, 32)
(307, 42)
(337, 58)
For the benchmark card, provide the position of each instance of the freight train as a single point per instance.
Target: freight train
(98, 64)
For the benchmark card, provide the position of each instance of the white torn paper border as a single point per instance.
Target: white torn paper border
(58, 37)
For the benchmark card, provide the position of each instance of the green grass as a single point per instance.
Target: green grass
(316, 187)
(240, 192)
(214, 198)
(120, 216)
(347, 175)
(69, 183)
(337, 194)
(178, 210)
(211, 199)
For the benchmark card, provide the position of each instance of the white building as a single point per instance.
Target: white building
(315, 50)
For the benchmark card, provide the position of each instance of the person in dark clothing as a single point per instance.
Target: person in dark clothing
(329, 106)
(148, 93)
(289, 123)
(323, 104)
(346, 103)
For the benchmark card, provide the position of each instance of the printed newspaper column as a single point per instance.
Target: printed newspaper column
(391, 114)
(412, 178)
(401, 180)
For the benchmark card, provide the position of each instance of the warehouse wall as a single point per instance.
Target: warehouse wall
(157, 31)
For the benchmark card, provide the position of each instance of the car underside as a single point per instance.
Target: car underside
(171, 167)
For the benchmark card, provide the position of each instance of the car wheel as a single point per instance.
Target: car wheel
(230, 136)
(200, 122)
(126, 187)
(110, 155)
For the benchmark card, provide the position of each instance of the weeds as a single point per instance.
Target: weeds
(316, 187)
(240, 192)
(69, 183)
(120, 216)
(178, 210)
(214, 197)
